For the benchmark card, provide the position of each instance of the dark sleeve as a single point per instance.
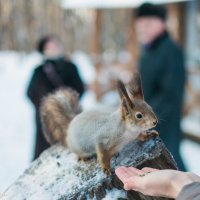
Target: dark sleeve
(35, 88)
(32, 88)
(75, 80)
(170, 81)
(190, 192)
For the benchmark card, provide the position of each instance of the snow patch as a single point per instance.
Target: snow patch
(114, 194)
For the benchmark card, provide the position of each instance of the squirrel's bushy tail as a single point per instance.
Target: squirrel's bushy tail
(57, 110)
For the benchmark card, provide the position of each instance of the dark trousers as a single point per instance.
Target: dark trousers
(172, 142)
(40, 143)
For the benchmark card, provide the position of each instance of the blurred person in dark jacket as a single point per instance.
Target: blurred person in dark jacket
(162, 69)
(56, 71)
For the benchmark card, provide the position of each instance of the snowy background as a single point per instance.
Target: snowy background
(17, 115)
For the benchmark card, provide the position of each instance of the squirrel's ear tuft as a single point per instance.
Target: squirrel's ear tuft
(135, 87)
(124, 95)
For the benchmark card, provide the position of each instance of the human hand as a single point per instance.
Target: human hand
(153, 182)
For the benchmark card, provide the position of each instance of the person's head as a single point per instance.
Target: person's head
(50, 46)
(150, 22)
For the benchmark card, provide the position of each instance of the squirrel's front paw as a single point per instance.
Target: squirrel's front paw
(152, 133)
(147, 135)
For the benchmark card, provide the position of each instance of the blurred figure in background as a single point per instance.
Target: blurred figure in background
(55, 72)
(162, 70)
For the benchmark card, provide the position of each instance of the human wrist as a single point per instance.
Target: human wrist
(184, 179)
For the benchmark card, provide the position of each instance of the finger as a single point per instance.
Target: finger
(122, 173)
(149, 169)
(133, 183)
(128, 171)
(135, 171)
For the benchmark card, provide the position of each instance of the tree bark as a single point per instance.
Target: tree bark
(57, 174)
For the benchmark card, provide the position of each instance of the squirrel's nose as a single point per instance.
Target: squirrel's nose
(155, 122)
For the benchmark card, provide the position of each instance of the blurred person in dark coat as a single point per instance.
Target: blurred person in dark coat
(161, 65)
(56, 71)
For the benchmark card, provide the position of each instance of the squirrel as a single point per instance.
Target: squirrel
(100, 133)
(57, 110)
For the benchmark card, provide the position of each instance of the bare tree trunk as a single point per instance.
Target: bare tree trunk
(57, 174)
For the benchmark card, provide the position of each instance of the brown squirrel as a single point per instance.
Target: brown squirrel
(98, 132)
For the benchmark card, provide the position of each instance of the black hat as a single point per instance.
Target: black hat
(43, 41)
(151, 10)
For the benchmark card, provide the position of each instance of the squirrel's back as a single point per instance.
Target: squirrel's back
(57, 110)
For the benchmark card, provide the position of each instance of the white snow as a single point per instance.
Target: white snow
(57, 169)
(86, 68)
(17, 118)
(77, 4)
(114, 194)
(190, 152)
(16, 115)
(191, 123)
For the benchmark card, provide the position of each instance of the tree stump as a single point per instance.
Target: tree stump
(57, 175)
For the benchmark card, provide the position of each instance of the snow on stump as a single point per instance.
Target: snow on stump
(57, 175)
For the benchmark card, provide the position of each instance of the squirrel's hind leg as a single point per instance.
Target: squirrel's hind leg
(85, 159)
(104, 156)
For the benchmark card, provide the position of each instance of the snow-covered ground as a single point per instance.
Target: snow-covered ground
(17, 117)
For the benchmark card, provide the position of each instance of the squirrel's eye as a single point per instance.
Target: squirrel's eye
(138, 116)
